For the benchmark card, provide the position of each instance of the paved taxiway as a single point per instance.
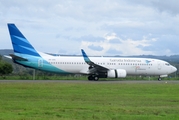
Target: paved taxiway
(86, 81)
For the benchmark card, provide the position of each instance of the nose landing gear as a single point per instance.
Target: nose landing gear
(159, 79)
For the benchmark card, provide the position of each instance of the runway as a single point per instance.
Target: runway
(86, 81)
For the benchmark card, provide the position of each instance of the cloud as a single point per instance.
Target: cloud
(115, 41)
(166, 6)
(90, 38)
(171, 7)
(112, 51)
(97, 48)
(111, 46)
(125, 26)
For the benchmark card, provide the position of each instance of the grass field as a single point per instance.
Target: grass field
(87, 101)
(80, 77)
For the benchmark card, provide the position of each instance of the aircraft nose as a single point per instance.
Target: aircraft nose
(174, 69)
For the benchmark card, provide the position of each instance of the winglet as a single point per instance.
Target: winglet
(93, 67)
(87, 60)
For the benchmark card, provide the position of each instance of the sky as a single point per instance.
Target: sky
(100, 27)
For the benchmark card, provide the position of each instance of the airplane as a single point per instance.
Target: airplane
(95, 67)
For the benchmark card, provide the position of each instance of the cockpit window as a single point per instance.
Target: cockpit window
(167, 64)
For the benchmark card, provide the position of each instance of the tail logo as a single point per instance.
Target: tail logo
(147, 61)
(20, 43)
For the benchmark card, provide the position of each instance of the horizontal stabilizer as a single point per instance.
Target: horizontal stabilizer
(6, 56)
(15, 57)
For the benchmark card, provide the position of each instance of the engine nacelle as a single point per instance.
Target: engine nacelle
(163, 75)
(116, 73)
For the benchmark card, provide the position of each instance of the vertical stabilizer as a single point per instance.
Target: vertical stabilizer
(19, 42)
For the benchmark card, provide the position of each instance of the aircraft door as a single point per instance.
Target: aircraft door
(40, 63)
(159, 65)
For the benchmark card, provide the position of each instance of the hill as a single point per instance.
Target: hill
(171, 59)
(6, 51)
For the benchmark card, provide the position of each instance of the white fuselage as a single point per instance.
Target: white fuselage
(133, 66)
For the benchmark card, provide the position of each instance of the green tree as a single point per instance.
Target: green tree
(0, 57)
(5, 68)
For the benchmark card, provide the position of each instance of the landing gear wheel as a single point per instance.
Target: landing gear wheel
(96, 78)
(90, 78)
(159, 79)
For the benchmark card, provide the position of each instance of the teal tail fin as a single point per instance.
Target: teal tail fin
(19, 42)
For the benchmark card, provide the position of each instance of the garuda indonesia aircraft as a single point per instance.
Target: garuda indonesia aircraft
(95, 67)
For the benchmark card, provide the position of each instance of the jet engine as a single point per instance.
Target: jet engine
(116, 73)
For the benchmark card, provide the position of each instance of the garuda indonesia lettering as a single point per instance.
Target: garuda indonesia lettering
(95, 67)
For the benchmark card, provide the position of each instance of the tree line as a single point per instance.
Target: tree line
(5, 67)
(8, 69)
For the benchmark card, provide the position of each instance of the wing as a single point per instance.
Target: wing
(93, 67)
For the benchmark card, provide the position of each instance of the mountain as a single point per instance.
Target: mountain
(6, 51)
(170, 59)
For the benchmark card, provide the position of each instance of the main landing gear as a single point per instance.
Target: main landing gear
(159, 79)
(93, 77)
